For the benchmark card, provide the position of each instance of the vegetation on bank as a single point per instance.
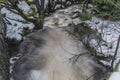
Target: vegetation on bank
(108, 9)
(105, 9)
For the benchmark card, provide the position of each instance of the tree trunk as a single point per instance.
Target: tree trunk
(4, 60)
(40, 7)
(42, 14)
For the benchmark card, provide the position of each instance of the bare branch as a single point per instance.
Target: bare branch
(22, 21)
(113, 60)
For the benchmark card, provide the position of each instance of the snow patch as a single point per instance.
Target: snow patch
(115, 76)
(37, 75)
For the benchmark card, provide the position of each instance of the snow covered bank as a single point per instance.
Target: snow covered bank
(110, 30)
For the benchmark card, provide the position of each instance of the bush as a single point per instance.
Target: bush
(108, 9)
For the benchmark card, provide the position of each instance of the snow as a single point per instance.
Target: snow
(110, 29)
(115, 76)
(23, 4)
(14, 28)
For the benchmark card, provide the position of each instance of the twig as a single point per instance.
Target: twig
(89, 78)
(113, 60)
